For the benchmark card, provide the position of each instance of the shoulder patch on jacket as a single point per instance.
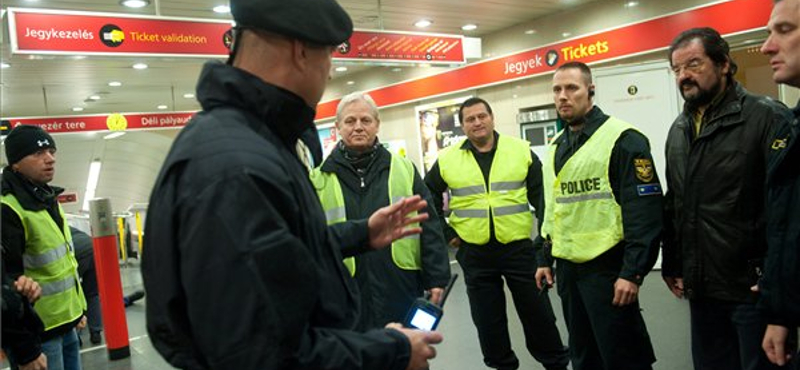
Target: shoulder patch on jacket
(644, 169)
(648, 189)
(779, 144)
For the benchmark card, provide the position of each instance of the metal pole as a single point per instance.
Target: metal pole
(109, 284)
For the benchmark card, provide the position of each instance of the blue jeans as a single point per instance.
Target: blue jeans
(63, 353)
(727, 336)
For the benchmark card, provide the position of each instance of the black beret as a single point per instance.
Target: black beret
(24, 140)
(322, 22)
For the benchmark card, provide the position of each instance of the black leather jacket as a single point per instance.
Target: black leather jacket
(716, 181)
(780, 289)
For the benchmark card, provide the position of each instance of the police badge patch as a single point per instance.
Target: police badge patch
(644, 169)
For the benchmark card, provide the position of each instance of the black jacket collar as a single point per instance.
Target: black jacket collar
(594, 119)
(468, 144)
(31, 196)
(284, 112)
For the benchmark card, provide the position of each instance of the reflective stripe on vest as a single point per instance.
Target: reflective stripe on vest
(49, 259)
(582, 217)
(506, 200)
(405, 251)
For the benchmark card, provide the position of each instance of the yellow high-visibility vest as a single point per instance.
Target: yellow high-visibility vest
(405, 251)
(506, 199)
(582, 217)
(49, 259)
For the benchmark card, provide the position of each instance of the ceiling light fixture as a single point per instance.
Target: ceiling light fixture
(422, 23)
(140, 66)
(530, 32)
(341, 69)
(135, 3)
(469, 27)
(94, 97)
(77, 109)
(631, 4)
(566, 34)
(162, 107)
(115, 84)
(114, 135)
(188, 96)
(351, 82)
(5, 65)
(222, 9)
(91, 183)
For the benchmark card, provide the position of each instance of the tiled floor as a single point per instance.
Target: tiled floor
(666, 317)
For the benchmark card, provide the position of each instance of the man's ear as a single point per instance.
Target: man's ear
(299, 55)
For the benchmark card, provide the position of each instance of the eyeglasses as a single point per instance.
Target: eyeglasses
(694, 66)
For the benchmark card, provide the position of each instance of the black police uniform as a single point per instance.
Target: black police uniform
(780, 287)
(485, 267)
(602, 336)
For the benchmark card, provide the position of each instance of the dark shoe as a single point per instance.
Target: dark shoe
(135, 296)
(94, 337)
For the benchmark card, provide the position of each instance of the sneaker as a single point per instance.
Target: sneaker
(94, 337)
(135, 296)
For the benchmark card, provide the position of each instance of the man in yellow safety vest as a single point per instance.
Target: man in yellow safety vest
(38, 243)
(492, 179)
(603, 218)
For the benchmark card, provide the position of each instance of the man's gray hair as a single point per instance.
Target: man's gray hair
(354, 97)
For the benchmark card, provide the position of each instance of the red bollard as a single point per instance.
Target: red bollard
(109, 283)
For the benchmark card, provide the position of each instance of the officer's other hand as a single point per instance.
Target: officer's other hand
(546, 274)
(436, 295)
(421, 345)
(455, 242)
(28, 288)
(675, 285)
(774, 344)
(82, 323)
(40, 363)
(625, 292)
(389, 223)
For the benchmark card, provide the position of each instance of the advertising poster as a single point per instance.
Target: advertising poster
(439, 128)
(328, 138)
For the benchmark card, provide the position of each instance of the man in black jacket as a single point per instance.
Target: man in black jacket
(716, 156)
(22, 328)
(359, 177)
(241, 271)
(780, 288)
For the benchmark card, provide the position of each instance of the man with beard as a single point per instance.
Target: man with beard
(780, 288)
(716, 153)
(603, 218)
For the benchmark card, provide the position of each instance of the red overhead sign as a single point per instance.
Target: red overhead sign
(105, 122)
(728, 17)
(402, 47)
(40, 31)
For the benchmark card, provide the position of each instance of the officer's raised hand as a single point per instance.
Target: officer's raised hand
(390, 223)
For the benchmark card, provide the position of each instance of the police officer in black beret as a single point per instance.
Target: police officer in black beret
(241, 271)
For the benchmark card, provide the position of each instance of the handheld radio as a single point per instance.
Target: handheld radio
(424, 314)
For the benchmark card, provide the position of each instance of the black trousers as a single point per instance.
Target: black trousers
(601, 335)
(485, 267)
(728, 335)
